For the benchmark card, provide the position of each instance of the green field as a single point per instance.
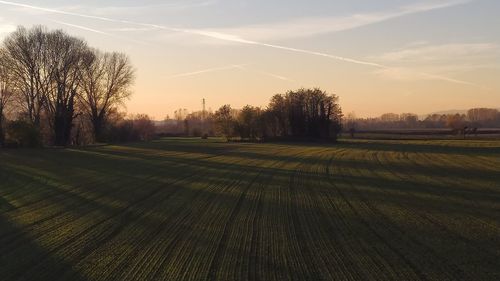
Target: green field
(187, 209)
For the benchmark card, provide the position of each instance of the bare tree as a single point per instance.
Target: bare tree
(143, 127)
(106, 84)
(312, 113)
(57, 77)
(5, 92)
(224, 121)
(66, 56)
(25, 58)
(279, 116)
(249, 123)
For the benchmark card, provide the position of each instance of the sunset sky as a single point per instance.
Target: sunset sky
(378, 56)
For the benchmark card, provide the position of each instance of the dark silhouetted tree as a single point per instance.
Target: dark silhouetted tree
(66, 56)
(313, 113)
(224, 121)
(249, 124)
(106, 83)
(27, 60)
(5, 93)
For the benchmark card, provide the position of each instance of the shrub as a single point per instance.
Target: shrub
(138, 128)
(22, 134)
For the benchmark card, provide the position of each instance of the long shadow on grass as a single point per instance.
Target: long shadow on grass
(423, 147)
(406, 168)
(452, 146)
(238, 150)
(384, 192)
(19, 268)
(221, 170)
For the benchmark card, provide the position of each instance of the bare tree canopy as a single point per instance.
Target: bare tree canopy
(26, 60)
(66, 56)
(57, 77)
(106, 84)
(5, 92)
(224, 121)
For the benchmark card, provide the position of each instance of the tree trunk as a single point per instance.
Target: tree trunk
(2, 134)
(63, 122)
(59, 127)
(98, 124)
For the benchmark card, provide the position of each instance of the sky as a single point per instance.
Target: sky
(378, 56)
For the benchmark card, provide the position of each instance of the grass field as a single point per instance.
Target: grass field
(186, 209)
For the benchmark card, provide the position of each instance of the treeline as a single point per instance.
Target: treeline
(473, 118)
(188, 124)
(300, 114)
(57, 90)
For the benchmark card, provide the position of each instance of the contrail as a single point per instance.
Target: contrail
(236, 39)
(279, 77)
(133, 29)
(451, 80)
(214, 69)
(59, 11)
(82, 27)
(209, 34)
(323, 55)
(100, 32)
(228, 38)
(232, 66)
